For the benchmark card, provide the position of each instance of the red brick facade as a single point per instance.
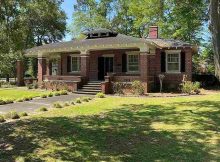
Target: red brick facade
(149, 68)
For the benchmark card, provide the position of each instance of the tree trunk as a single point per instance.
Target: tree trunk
(7, 78)
(214, 13)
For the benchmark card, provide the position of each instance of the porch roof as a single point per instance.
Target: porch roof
(120, 41)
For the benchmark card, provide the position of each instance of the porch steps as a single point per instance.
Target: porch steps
(91, 88)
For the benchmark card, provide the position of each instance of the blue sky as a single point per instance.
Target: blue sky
(67, 6)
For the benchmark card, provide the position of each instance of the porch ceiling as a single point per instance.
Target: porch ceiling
(82, 46)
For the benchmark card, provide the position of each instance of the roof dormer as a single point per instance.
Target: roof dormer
(100, 33)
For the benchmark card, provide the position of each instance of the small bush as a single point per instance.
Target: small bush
(57, 105)
(118, 88)
(50, 95)
(57, 94)
(20, 100)
(66, 104)
(42, 109)
(100, 95)
(63, 92)
(78, 100)
(190, 87)
(137, 88)
(2, 102)
(35, 85)
(43, 96)
(23, 114)
(12, 115)
(2, 119)
(72, 103)
(85, 99)
(8, 101)
(27, 98)
(29, 86)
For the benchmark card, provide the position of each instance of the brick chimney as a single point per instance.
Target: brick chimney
(153, 32)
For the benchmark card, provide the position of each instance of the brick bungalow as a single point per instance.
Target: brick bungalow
(104, 56)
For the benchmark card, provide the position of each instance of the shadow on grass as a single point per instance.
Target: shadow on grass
(124, 134)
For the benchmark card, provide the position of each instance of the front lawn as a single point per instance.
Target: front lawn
(119, 129)
(19, 93)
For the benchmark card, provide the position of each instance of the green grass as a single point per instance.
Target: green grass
(20, 93)
(119, 129)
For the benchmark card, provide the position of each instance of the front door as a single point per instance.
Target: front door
(105, 65)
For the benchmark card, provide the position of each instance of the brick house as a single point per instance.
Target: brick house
(104, 56)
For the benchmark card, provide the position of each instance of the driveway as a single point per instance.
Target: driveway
(31, 106)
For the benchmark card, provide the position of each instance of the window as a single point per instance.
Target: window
(54, 67)
(173, 62)
(75, 63)
(133, 62)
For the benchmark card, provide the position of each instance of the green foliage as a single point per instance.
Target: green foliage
(118, 87)
(64, 92)
(66, 104)
(42, 109)
(137, 88)
(25, 24)
(22, 114)
(85, 99)
(43, 96)
(57, 105)
(2, 119)
(78, 100)
(57, 93)
(100, 95)
(190, 87)
(12, 115)
(50, 95)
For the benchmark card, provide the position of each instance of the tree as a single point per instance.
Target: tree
(214, 12)
(25, 24)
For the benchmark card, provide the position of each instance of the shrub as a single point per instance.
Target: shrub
(78, 100)
(27, 98)
(42, 109)
(57, 93)
(8, 101)
(118, 88)
(35, 85)
(57, 105)
(12, 115)
(100, 95)
(43, 96)
(72, 103)
(23, 114)
(85, 99)
(66, 104)
(20, 100)
(2, 119)
(137, 88)
(50, 95)
(29, 86)
(190, 87)
(63, 92)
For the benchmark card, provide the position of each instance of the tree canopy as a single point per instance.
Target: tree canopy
(26, 23)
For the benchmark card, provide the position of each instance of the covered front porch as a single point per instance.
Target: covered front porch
(77, 68)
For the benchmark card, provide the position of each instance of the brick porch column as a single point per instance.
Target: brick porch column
(20, 73)
(85, 65)
(41, 68)
(144, 70)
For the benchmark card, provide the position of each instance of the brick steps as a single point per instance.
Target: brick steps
(91, 88)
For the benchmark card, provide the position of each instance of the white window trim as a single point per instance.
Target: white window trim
(78, 56)
(173, 52)
(133, 53)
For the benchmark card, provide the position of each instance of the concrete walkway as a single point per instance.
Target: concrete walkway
(31, 106)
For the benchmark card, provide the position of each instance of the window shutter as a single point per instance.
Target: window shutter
(163, 62)
(124, 63)
(50, 67)
(183, 62)
(68, 63)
